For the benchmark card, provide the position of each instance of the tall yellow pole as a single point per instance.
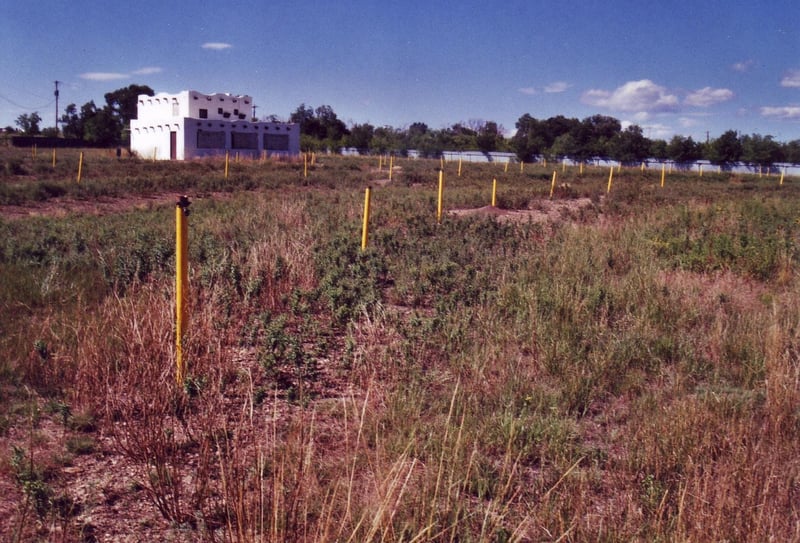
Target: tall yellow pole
(227, 158)
(521, 166)
(701, 170)
(505, 168)
(459, 166)
(553, 184)
(391, 166)
(80, 166)
(783, 172)
(181, 283)
(380, 162)
(581, 169)
(365, 226)
(663, 173)
(441, 195)
(305, 164)
(610, 177)
(494, 192)
(563, 166)
(54, 157)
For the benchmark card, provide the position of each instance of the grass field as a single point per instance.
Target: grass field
(625, 370)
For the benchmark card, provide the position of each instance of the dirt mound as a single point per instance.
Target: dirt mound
(540, 211)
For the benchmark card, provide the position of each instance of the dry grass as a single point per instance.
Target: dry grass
(628, 372)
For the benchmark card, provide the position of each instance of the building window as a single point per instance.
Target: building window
(244, 140)
(276, 142)
(219, 110)
(175, 108)
(210, 140)
(203, 113)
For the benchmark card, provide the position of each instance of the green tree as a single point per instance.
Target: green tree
(791, 151)
(100, 126)
(123, 103)
(631, 146)
(683, 149)
(528, 142)
(725, 150)
(360, 136)
(72, 123)
(760, 150)
(29, 123)
(490, 137)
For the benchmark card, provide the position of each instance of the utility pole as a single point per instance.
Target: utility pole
(255, 118)
(56, 95)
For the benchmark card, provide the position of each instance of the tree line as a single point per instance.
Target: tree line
(598, 136)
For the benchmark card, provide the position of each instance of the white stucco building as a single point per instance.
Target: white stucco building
(191, 124)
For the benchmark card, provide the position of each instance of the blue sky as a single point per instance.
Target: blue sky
(672, 67)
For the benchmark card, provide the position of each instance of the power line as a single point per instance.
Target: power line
(13, 103)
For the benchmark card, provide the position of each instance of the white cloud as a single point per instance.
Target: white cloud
(791, 79)
(687, 122)
(743, 66)
(216, 45)
(103, 76)
(637, 96)
(550, 88)
(557, 86)
(148, 70)
(789, 113)
(707, 97)
(657, 131)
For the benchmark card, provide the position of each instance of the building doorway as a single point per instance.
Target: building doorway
(173, 145)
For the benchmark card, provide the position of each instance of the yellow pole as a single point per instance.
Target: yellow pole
(663, 173)
(181, 282)
(305, 164)
(521, 166)
(642, 167)
(441, 195)
(441, 162)
(227, 157)
(505, 169)
(80, 166)
(459, 166)
(494, 192)
(54, 157)
(313, 158)
(760, 171)
(581, 170)
(701, 170)
(553, 184)
(610, 177)
(391, 166)
(33, 151)
(619, 167)
(380, 162)
(563, 166)
(365, 227)
(783, 172)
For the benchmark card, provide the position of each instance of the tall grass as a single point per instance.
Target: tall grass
(626, 374)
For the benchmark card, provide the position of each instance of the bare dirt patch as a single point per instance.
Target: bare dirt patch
(104, 205)
(540, 211)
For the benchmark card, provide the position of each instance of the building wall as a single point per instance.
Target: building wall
(207, 125)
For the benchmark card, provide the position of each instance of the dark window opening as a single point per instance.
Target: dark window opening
(203, 113)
